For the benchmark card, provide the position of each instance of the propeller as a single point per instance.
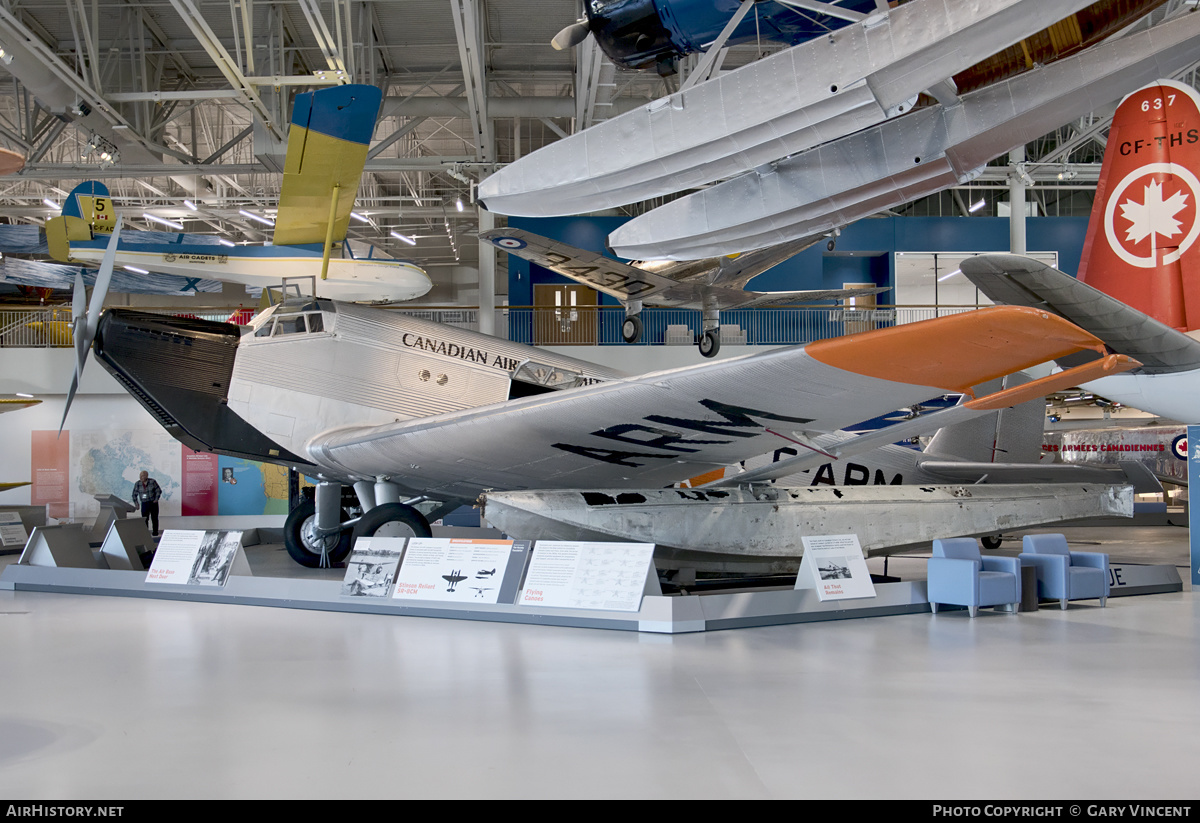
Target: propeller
(85, 322)
(572, 35)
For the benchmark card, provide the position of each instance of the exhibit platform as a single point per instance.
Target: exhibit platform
(691, 610)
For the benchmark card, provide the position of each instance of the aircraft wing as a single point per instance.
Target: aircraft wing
(799, 298)
(612, 277)
(1014, 280)
(668, 426)
(327, 149)
(957, 471)
(45, 275)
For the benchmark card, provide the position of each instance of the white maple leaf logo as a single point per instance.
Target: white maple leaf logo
(1153, 216)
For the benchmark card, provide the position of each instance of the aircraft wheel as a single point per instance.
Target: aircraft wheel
(710, 343)
(304, 546)
(991, 542)
(631, 329)
(392, 520)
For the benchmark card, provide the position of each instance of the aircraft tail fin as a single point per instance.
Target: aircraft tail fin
(1140, 246)
(87, 212)
(1012, 435)
(327, 151)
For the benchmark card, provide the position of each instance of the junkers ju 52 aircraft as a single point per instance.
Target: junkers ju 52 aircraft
(409, 411)
(327, 147)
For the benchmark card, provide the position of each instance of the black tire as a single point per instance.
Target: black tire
(392, 520)
(631, 329)
(992, 543)
(710, 343)
(300, 544)
(831, 245)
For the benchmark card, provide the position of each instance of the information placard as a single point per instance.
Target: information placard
(452, 569)
(833, 564)
(578, 575)
(195, 558)
(12, 530)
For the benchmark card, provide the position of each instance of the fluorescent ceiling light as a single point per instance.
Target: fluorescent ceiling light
(977, 205)
(190, 205)
(458, 204)
(225, 242)
(162, 221)
(257, 217)
(409, 240)
(50, 203)
(358, 216)
(948, 276)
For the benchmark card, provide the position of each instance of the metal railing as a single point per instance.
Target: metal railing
(50, 327)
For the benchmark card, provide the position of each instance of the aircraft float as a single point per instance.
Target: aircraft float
(835, 129)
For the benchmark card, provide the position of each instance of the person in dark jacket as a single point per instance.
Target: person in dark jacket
(146, 492)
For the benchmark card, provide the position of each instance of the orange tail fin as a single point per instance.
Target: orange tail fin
(1140, 245)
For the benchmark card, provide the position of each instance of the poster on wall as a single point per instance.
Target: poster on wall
(50, 468)
(248, 487)
(833, 564)
(195, 558)
(199, 494)
(108, 462)
(579, 575)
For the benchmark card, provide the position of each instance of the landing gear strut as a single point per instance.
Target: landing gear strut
(709, 340)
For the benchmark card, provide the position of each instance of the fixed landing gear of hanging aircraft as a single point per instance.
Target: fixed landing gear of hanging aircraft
(992, 541)
(709, 340)
(631, 329)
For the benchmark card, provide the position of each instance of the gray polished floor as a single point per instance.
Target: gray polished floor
(107, 697)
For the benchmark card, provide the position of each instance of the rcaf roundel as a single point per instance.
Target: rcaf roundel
(510, 242)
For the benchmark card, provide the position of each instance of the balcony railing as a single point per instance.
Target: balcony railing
(549, 326)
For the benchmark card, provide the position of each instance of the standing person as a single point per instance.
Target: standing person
(147, 491)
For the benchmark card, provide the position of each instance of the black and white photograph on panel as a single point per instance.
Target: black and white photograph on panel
(215, 558)
(371, 569)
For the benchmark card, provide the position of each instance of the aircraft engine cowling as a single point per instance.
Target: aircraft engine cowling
(640, 33)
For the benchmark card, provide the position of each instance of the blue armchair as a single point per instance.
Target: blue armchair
(959, 575)
(1063, 574)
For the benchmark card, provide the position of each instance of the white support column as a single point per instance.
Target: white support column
(1016, 200)
(487, 275)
